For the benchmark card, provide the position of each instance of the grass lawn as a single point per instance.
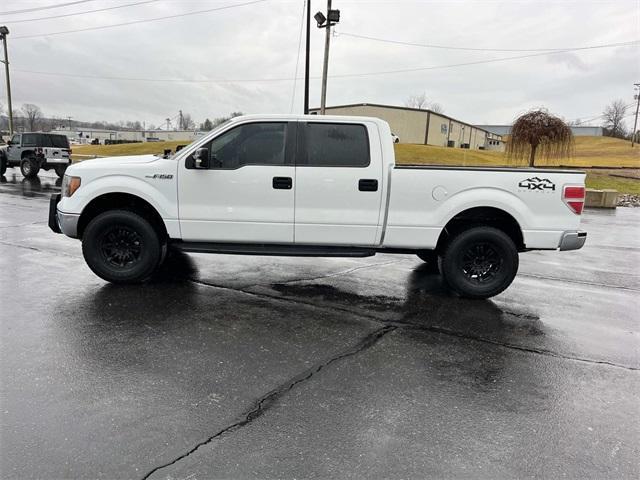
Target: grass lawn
(125, 149)
(589, 152)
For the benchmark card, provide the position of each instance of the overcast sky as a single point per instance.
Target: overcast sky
(253, 50)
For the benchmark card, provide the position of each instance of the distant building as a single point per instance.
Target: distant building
(87, 135)
(416, 125)
(578, 131)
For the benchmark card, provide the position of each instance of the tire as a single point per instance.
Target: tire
(29, 167)
(3, 164)
(480, 262)
(60, 169)
(430, 257)
(121, 247)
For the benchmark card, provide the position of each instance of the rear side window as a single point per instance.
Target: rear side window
(336, 145)
(58, 141)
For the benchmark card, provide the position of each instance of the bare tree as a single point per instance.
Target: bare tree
(539, 132)
(614, 118)
(436, 107)
(418, 100)
(32, 114)
(422, 102)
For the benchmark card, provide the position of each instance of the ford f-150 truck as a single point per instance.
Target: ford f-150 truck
(315, 186)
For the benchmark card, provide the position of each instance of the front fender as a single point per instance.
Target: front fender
(161, 196)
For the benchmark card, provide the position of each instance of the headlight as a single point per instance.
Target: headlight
(70, 185)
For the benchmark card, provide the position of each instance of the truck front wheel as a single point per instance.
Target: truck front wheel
(29, 167)
(480, 262)
(121, 247)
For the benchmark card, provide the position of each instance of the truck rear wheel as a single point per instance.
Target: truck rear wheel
(480, 262)
(29, 167)
(121, 247)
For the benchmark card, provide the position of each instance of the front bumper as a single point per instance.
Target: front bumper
(61, 222)
(572, 240)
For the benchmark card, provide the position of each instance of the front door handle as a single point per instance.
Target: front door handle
(282, 183)
(368, 185)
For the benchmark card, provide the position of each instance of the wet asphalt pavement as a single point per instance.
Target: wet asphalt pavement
(268, 367)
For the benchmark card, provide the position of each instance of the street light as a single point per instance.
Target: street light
(333, 17)
(4, 31)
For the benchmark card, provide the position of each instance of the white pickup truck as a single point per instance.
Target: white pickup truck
(315, 186)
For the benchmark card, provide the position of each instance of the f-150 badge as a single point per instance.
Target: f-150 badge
(535, 183)
(161, 176)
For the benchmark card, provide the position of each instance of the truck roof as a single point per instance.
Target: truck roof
(309, 118)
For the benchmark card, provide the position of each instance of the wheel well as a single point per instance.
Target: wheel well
(121, 201)
(482, 216)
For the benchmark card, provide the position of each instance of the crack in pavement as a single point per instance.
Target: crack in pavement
(330, 275)
(579, 282)
(265, 402)
(413, 326)
(41, 250)
(539, 351)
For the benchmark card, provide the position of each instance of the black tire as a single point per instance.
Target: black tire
(3, 164)
(121, 247)
(430, 257)
(29, 167)
(480, 262)
(60, 169)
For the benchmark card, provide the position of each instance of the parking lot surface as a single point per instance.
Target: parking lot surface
(268, 367)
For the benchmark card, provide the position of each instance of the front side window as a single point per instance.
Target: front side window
(29, 140)
(336, 145)
(15, 140)
(249, 144)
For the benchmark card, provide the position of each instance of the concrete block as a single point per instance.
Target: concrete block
(606, 198)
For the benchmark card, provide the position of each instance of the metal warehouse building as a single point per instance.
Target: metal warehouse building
(415, 125)
(577, 130)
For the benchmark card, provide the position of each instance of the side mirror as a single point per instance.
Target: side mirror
(201, 158)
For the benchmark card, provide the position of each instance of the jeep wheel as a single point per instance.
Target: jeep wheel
(480, 262)
(29, 167)
(3, 164)
(121, 247)
(60, 169)
(430, 257)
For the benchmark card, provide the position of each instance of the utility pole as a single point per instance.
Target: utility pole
(168, 123)
(306, 61)
(4, 31)
(325, 64)
(635, 123)
(332, 18)
(181, 120)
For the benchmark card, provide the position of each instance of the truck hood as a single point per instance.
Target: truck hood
(115, 161)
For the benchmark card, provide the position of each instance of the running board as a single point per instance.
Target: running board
(273, 249)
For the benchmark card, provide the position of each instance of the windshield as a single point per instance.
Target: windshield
(215, 129)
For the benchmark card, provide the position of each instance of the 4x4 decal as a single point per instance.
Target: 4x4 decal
(535, 183)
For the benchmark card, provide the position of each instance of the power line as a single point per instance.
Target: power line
(295, 75)
(345, 75)
(473, 49)
(81, 13)
(148, 20)
(35, 9)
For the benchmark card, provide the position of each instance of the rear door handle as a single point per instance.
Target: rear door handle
(368, 185)
(282, 183)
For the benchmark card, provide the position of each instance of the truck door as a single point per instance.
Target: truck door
(246, 193)
(13, 150)
(338, 183)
